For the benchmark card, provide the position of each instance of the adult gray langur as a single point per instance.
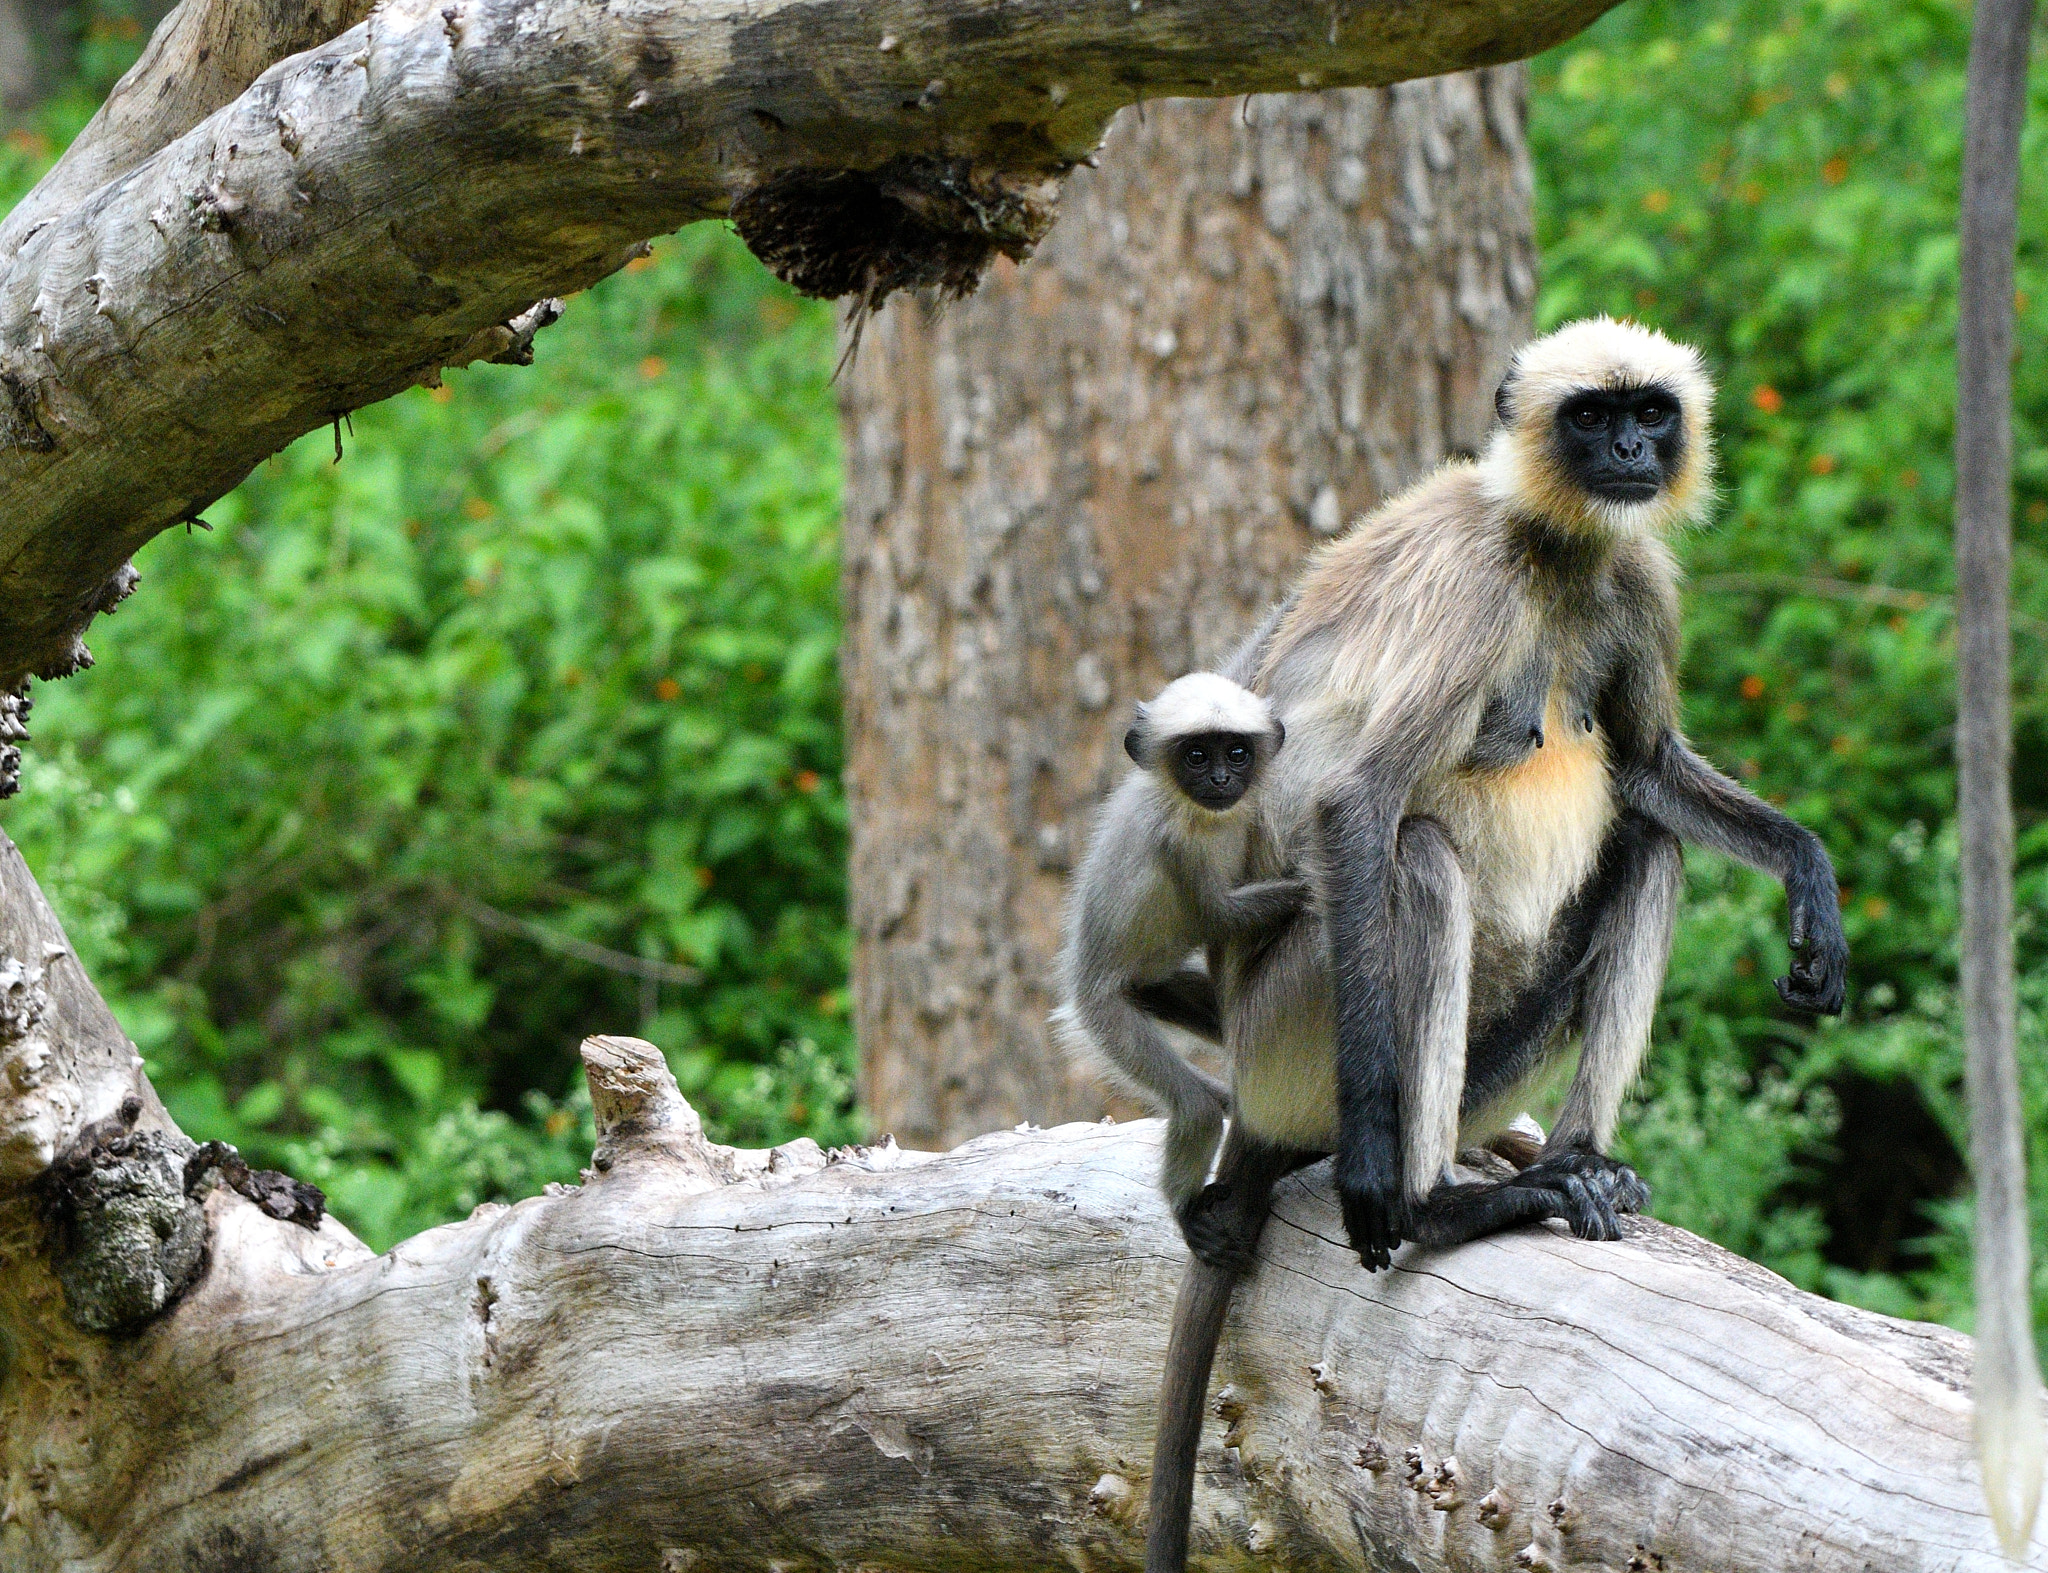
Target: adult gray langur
(1486, 787)
(1161, 879)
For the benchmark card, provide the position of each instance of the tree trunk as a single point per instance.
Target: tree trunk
(18, 76)
(1256, 320)
(708, 1359)
(35, 42)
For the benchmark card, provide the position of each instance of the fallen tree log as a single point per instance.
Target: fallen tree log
(364, 210)
(704, 1358)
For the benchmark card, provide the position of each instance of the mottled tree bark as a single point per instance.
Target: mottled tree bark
(1255, 320)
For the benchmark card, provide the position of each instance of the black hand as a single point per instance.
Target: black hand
(1819, 983)
(1368, 1173)
(1220, 1230)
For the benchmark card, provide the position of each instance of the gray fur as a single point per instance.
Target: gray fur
(1163, 877)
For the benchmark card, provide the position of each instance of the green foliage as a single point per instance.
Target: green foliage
(547, 663)
(1777, 183)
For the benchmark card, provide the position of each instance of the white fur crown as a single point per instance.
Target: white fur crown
(1204, 702)
(1601, 352)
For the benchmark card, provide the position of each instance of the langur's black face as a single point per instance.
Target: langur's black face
(1621, 445)
(1215, 768)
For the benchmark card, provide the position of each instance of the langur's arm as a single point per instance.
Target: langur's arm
(1186, 1000)
(1659, 777)
(1690, 798)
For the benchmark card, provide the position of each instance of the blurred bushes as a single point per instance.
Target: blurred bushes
(543, 671)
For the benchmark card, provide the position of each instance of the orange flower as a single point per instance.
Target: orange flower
(1835, 170)
(668, 688)
(1658, 201)
(653, 366)
(1822, 464)
(640, 264)
(1767, 398)
(1752, 687)
(808, 780)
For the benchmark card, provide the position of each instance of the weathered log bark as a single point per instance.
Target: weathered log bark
(1255, 322)
(367, 207)
(704, 1358)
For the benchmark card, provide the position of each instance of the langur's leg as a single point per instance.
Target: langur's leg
(1432, 942)
(1624, 973)
(1108, 1024)
(1609, 962)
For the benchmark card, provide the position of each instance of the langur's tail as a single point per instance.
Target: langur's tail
(2005, 1381)
(1223, 1225)
(2008, 1384)
(1198, 1315)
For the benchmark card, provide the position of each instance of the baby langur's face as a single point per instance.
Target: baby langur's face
(1214, 768)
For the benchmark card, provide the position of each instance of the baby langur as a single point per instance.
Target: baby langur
(1161, 879)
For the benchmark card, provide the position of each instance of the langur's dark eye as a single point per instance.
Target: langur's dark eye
(1195, 758)
(1653, 415)
(1239, 754)
(1587, 418)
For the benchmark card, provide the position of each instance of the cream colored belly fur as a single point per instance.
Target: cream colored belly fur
(1527, 836)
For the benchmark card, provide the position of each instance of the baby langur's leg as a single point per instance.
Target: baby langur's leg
(1624, 974)
(1138, 1055)
(1432, 985)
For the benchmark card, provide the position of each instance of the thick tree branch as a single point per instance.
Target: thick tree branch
(204, 55)
(705, 1358)
(356, 217)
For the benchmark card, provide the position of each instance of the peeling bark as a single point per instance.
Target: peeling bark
(709, 1358)
(364, 209)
